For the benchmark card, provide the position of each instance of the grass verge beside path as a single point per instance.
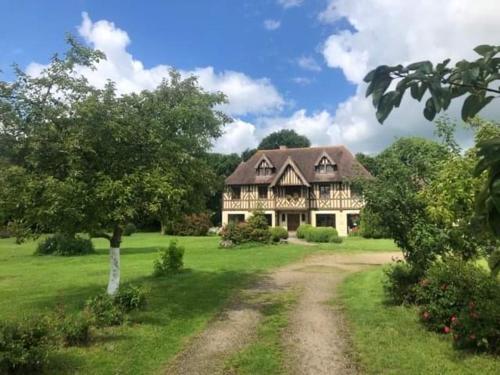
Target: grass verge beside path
(390, 340)
(265, 355)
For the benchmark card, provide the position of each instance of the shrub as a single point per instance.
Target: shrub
(258, 220)
(461, 296)
(260, 235)
(400, 282)
(130, 297)
(302, 229)
(494, 262)
(65, 245)
(335, 238)
(278, 233)
(371, 225)
(5, 232)
(321, 234)
(24, 346)
(234, 232)
(75, 330)
(129, 229)
(169, 260)
(103, 311)
(256, 229)
(193, 225)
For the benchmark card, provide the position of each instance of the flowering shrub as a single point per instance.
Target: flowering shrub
(256, 229)
(463, 299)
(193, 225)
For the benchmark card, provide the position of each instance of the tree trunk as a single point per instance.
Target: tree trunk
(163, 227)
(114, 261)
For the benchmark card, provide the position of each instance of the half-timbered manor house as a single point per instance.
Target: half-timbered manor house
(294, 186)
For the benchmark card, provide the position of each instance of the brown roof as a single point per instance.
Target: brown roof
(304, 159)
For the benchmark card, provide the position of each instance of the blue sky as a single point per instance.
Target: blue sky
(285, 63)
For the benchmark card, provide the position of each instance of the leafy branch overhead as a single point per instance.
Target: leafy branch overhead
(477, 79)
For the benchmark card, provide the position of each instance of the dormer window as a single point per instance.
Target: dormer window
(264, 168)
(325, 166)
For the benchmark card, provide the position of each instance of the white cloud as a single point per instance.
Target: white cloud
(290, 3)
(271, 24)
(246, 95)
(308, 63)
(238, 136)
(303, 81)
(392, 32)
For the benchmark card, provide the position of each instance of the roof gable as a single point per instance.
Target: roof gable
(304, 160)
(289, 174)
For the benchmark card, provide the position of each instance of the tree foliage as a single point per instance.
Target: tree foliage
(285, 137)
(476, 80)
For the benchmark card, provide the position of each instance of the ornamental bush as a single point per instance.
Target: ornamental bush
(169, 260)
(462, 298)
(302, 229)
(130, 297)
(25, 345)
(255, 229)
(65, 245)
(75, 330)
(104, 311)
(400, 282)
(322, 234)
(193, 225)
(278, 233)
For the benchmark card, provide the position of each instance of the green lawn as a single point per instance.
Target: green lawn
(390, 339)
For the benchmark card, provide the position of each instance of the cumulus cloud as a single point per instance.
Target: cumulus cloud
(303, 81)
(392, 32)
(246, 95)
(308, 63)
(271, 24)
(238, 136)
(290, 3)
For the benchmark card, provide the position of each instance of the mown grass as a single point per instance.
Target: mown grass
(360, 244)
(265, 355)
(178, 306)
(390, 340)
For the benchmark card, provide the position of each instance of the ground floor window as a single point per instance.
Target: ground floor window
(236, 218)
(352, 222)
(325, 220)
(269, 219)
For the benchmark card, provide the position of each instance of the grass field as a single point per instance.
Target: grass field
(390, 340)
(178, 307)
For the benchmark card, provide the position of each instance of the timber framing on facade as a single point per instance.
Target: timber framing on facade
(297, 186)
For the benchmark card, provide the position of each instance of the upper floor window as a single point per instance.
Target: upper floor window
(236, 192)
(325, 166)
(324, 191)
(262, 192)
(264, 169)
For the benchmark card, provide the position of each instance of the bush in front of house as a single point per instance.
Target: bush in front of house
(255, 229)
(302, 229)
(278, 233)
(65, 245)
(461, 297)
(400, 282)
(25, 345)
(193, 225)
(129, 229)
(322, 234)
(170, 260)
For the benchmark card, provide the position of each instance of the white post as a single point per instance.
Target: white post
(114, 270)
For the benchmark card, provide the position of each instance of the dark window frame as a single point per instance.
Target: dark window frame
(235, 218)
(325, 191)
(260, 190)
(326, 220)
(236, 192)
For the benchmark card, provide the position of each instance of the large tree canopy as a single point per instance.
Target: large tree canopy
(478, 80)
(79, 159)
(285, 137)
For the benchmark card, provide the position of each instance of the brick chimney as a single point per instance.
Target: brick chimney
(283, 147)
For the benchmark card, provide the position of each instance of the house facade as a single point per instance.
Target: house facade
(294, 186)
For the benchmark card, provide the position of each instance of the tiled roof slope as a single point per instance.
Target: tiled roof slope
(304, 158)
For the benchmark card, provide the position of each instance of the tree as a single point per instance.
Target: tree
(90, 160)
(284, 137)
(404, 169)
(476, 79)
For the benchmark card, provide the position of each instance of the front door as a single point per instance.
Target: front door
(293, 222)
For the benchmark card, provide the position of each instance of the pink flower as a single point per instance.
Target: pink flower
(426, 315)
(472, 337)
(446, 329)
(453, 318)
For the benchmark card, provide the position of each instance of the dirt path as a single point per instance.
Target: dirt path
(315, 341)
